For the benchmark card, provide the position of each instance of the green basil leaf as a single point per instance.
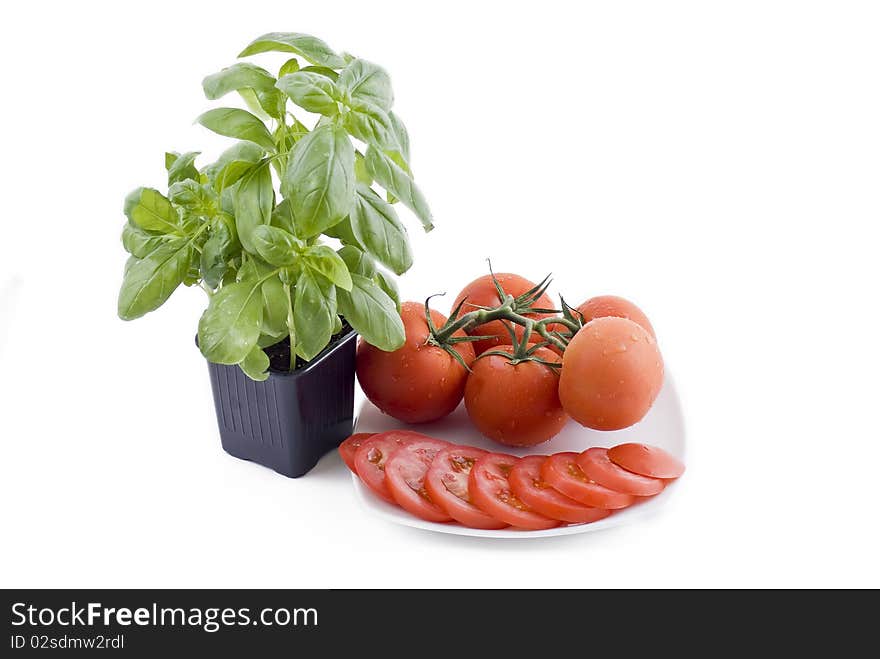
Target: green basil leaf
(290, 66)
(327, 263)
(170, 157)
(150, 209)
(375, 224)
(372, 313)
(387, 284)
(150, 281)
(393, 178)
(253, 202)
(140, 243)
(183, 168)
(282, 217)
(313, 310)
(322, 70)
(370, 123)
(365, 81)
(401, 136)
(256, 364)
(198, 200)
(311, 91)
(361, 174)
(230, 326)
(240, 124)
(217, 251)
(277, 246)
(319, 180)
(274, 308)
(343, 232)
(241, 75)
(358, 261)
(233, 163)
(308, 47)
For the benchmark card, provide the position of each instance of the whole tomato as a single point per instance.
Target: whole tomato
(515, 404)
(611, 374)
(418, 382)
(603, 306)
(481, 293)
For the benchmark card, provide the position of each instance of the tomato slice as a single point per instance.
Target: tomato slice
(491, 492)
(447, 485)
(350, 446)
(646, 460)
(370, 457)
(528, 486)
(562, 472)
(597, 466)
(405, 474)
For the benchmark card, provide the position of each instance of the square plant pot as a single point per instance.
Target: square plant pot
(290, 420)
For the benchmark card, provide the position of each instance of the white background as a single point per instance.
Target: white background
(718, 163)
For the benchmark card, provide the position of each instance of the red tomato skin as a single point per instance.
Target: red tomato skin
(491, 492)
(418, 382)
(447, 483)
(562, 472)
(525, 479)
(373, 453)
(481, 293)
(598, 467)
(604, 306)
(515, 405)
(349, 447)
(612, 372)
(405, 472)
(646, 460)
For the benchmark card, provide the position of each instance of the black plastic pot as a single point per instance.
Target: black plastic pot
(290, 420)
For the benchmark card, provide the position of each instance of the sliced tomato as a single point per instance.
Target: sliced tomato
(646, 460)
(562, 472)
(597, 466)
(370, 458)
(447, 485)
(491, 491)
(405, 474)
(350, 446)
(527, 484)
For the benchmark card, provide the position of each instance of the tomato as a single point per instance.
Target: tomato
(371, 455)
(481, 293)
(405, 477)
(491, 492)
(418, 382)
(596, 465)
(447, 485)
(611, 374)
(350, 446)
(527, 484)
(611, 305)
(515, 404)
(646, 460)
(562, 472)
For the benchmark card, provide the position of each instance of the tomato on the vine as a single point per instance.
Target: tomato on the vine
(515, 404)
(612, 372)
(604, 306)
(418, 382)
(481, 292)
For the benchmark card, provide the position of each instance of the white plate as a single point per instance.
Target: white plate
(663, 426)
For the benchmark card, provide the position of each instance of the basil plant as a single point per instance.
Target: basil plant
(251, 228)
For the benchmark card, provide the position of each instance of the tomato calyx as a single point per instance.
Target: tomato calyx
(520, 350)
(512, 310)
